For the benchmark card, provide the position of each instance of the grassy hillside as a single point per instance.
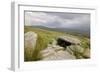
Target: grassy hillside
(45, 37)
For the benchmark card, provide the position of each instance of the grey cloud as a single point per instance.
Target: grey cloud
(57, 20)
(69, 15)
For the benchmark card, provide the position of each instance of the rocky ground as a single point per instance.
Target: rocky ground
(57, 52)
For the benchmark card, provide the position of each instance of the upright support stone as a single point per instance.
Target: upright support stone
(30, 42)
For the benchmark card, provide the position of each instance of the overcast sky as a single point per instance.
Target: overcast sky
(57, 20)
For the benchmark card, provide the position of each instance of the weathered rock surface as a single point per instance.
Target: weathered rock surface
(77, 48)
(70, 39)
(47, 52)
(30, 42)
(30, 39)
(51, 50)
(60, 55)
(56, 53)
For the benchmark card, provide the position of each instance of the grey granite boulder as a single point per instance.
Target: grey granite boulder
(30, 39)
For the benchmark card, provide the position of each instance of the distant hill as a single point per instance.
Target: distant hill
(76, 31)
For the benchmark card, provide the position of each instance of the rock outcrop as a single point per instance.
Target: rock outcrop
(65, 48)
(56, 53)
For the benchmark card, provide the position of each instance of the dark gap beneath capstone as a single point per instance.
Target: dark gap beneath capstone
(63, 43)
